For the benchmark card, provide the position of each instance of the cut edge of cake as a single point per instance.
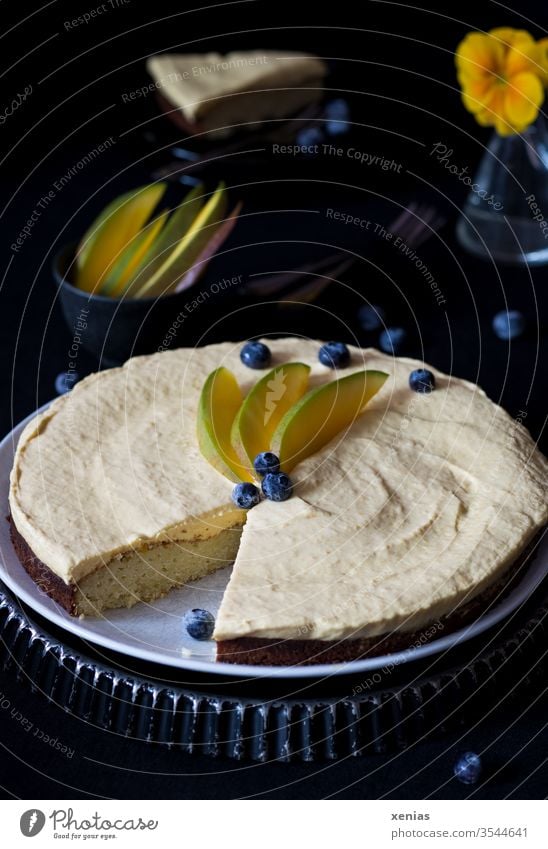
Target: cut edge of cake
(88, 598)
(276, 652)
(155, 569)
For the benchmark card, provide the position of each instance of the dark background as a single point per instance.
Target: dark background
(394, 64)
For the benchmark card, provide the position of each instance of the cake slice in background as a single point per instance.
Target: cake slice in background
(221, 95)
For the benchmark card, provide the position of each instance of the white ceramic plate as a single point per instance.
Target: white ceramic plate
(154, 631)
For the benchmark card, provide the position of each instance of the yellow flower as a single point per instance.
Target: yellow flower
(500, 75)
(542, 47)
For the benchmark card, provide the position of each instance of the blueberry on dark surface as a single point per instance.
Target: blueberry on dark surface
(371, 316)
(422, 380)
(338, 117)
(508, 325)
(337, 110)
(199, 623)
(266, 462)
(392, 339)
(65, 381)
(245, 495)
(467, 769)
(309, 136)
(255, 354)
(337, 128)
(334, 355)
(277, 486)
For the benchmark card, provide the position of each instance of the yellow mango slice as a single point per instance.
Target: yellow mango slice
(220, 400)
(221, 234)
(188, 249)
(321, 414)
(264, 407)
(178, 225)
(119, 276)
(111, 232)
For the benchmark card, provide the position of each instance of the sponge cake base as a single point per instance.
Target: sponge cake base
(143, 574)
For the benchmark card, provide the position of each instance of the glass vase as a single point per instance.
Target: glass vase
(505, 216)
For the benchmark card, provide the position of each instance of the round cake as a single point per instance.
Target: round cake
(409, 522)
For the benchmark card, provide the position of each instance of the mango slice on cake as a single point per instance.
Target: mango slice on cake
(264, 407)
(220, 400)
(321, 414)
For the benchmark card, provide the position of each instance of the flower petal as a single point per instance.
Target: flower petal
(522, 56)
(478, 55)
(509, 35)
(503, 128)
(523, 96)
(542, 58)
(485, 117)
(493, 112)
(476, 92)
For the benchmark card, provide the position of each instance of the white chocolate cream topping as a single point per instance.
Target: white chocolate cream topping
(425, 501)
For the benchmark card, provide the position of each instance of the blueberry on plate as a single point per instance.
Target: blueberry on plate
(255, 354)
(508, 325)
(245, 495)
(422, 380)
(65, 381)
(392, 339)
(199, 623)
(334, 355)
(277, 486)
(467, 769)
(371, 316)
(266, 462)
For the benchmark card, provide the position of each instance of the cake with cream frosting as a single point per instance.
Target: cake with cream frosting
(419, 512)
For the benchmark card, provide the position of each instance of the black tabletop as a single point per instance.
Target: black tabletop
(396, 73)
